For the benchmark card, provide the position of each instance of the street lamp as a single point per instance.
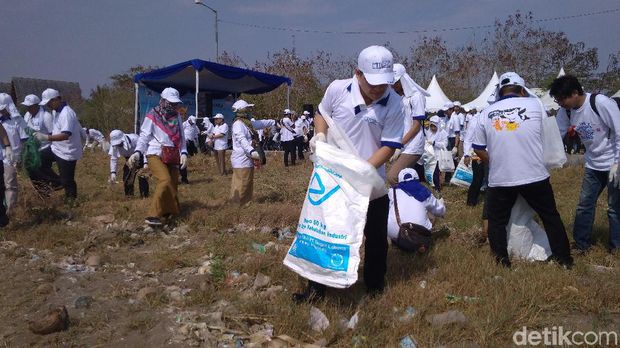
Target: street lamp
(217, 44)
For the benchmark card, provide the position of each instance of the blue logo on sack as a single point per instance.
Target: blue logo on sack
(317, 189)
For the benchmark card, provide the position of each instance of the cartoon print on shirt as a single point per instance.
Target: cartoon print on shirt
(585, 131)
(508, 119)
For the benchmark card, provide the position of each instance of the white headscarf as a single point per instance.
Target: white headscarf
(409, 86)
(6, 99)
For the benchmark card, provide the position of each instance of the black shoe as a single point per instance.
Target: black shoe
(185, 181)
(4, 221)
(153, 221)
(311, 294)
(566, 263)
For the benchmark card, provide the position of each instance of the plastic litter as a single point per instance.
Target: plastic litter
(408, 342)
(318, 321)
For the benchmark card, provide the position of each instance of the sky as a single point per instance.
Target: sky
(87, 41)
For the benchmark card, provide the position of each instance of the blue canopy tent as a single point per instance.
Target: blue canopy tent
(202, 76)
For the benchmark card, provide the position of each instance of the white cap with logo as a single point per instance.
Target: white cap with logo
(171, 95)
(509, 79)
(240, 105)
(376, 62)
(31, 100)
(218, 116)
(48, 95)
(116, 137)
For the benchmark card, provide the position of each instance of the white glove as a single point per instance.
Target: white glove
(8, 154)
(455, 151)
(614, 175)
(145, 166)
(315, 138)
(441, 202)
(395, 155)
(183, 161)
(41, 137)
(112, 177)
(133, 160)
(254, 154)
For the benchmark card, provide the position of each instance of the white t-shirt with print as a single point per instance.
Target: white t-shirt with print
(369, 127)
(66, 121)
(511, 130)
(599, 134)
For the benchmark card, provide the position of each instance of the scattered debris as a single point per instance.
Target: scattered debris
(93, 260)
(455, 298)
(103, 219)
(318, 321)
(83, 302)
(271, 293)
(349, 324)
(408, 314)
(259, 247)
(145, 292)
(423, 284)
(408, 342)
(602, 269)
(54, 321)
(261, 281)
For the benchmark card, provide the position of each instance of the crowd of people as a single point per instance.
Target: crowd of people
(382, 112)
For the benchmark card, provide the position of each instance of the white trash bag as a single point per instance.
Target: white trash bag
(463, 175)
(526, 239)
(446, 163)
(553, 147)
(430, 162)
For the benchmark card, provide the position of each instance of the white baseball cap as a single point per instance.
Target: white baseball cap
(192, 118)
(306, 112)
(31, 100)
(171, 95)
(240, 105)
(3, 106)
(509, 79)
(303, 117)
(376, 62)
(116, 137)
(435, 120)
(457, 103)
(48, 95)
(220, 116)
(448, 105)
(408, 174)
(287, 111)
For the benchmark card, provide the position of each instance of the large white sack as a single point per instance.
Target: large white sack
(526, 239)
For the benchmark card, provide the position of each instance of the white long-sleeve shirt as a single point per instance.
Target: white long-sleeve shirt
(42, 122)
(152, 138)
(469, 136)
(412, 210)
(287, 132)
(190, 130)
(599, 134)
(126, 149)
(95, 135)
(439, 138)
(242, 142)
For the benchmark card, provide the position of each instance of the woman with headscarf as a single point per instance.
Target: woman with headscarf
(163, 143)
(15, 127)
(438, 138)
(414, 103)
(244, 153)
(414, 202)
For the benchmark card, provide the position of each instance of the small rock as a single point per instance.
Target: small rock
(54, 321)
(83, 302)
(205, 268)
(134, 236)
(318, 321)
(261, 281)
(148, 229)
(446, 318)
(266, 229)
(93, 260)
(46, 288)
(145, 292)
(176, 296)
(247, 295)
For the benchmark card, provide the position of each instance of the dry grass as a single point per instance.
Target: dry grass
(533, 295)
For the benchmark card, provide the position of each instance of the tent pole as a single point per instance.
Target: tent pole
(135, 109)
(196, 92)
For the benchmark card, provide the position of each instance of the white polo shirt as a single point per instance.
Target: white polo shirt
(66, 121)
(414, 107)
(220, 143)
(368, 126)
(599, 134)
(42, 122)
(512, 130)
(16, 130)
(126, 149)
(287, 132)
(412, 210)
(242, 142)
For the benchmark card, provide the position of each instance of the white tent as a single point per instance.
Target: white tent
(482, 100)
(437, 97)
(617, 95)
(561, 73)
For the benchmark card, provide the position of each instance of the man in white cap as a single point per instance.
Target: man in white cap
(509, 139)
(124, 145)
(411, 202)
(287, 137)
(244, 154)
(414, 104)
(43, 178)
(370, 114)
(65, 139)
(15, 128)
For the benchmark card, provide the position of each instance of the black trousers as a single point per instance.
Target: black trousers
(66, 170)
(451, 143)
(474, 189)
(539, 195)
(44, 179)
(129, 177)
(375, 247)
(299, 144)
(289, 150)
(191, 148)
